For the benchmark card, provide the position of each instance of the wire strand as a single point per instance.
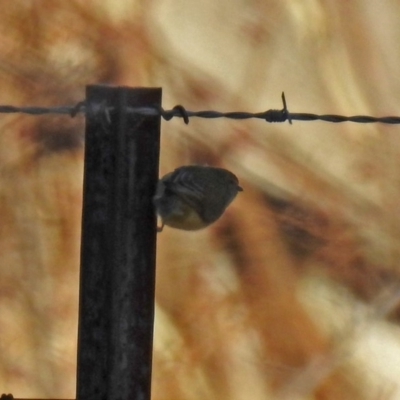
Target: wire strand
(271, 116)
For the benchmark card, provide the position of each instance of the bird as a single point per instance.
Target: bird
(192, 197)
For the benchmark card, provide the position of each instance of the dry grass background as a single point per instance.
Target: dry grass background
(294, 293)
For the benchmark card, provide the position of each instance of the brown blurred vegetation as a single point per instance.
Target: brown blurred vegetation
(294, 293)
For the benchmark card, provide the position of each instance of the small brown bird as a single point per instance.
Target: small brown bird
(193, 196)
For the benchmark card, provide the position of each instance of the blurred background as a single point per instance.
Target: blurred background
(294, 293)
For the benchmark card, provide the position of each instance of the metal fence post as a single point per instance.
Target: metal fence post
(118, 245)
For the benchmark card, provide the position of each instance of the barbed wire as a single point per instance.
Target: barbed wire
(179, 111)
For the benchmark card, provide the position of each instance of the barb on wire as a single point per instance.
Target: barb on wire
(269, 116)
(179, 111)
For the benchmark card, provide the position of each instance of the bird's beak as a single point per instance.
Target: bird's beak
(240, 189)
